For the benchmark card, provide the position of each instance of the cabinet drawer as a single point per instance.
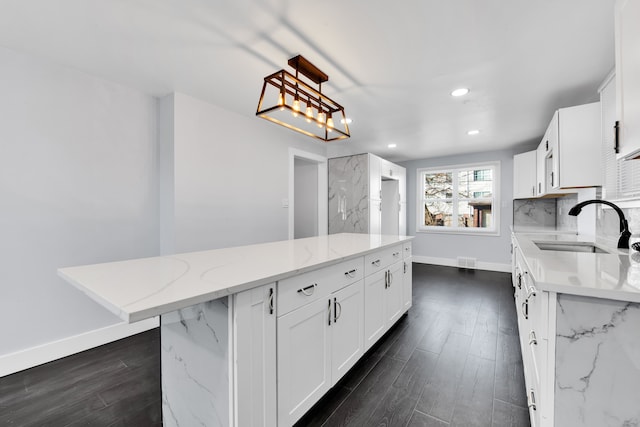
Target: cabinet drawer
(297, 291)
(379, 260)
(406, 250)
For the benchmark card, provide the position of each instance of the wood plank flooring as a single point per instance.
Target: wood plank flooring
(454, 360)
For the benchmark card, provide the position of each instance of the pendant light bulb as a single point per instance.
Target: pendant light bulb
(322, 118)
(281, 101)
(309, 112)
(330, 123)
(296, 107)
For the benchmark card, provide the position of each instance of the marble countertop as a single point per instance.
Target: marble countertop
(142, 288)
(613, 275)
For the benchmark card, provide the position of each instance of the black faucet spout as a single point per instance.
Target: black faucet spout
(625, 234)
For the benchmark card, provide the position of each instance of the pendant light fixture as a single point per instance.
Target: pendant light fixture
(282, 96)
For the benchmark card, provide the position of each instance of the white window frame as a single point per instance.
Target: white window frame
(494, 230)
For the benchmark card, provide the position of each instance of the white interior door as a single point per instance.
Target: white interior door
(308, 194)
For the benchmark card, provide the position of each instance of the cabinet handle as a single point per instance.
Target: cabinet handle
(532, 338)
(376, 263)
(305, 290)
(546, 147)
(525, 309)
(532, 399)
(329, 310)
(405, 268)
(552, 178)
(351, 273)
(616, 137)
(270, 300)
(533, 190)
(337, 310)
(390, 278)
(539, 188)
(396, 254)
(386, 279)
(519, 280)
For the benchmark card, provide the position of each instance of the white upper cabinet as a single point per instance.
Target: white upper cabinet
(578, 160)
(524, 175)
(628, 77)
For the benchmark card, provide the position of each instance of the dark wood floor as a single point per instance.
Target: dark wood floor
(454, 360)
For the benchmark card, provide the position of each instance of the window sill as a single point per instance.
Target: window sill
(490, 233)
(624, 203)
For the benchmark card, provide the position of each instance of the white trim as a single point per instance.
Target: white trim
(323, 190)
(449, 262)
(34, 356)
(493, 231)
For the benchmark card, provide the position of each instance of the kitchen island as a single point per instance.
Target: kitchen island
(255, 335)
(579, 327)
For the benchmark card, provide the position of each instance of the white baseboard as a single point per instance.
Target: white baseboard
(34, 356)
(449, 262)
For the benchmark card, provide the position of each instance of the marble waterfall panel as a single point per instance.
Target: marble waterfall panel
(349, 194)
(195, 365)
(597, 362)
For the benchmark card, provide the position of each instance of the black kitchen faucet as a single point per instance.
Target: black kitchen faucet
(623, 241)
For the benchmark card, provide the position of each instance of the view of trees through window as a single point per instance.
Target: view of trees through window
(458, 198)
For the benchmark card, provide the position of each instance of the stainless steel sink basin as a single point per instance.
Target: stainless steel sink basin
(570, 247)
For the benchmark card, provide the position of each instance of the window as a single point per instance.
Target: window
(459, 199)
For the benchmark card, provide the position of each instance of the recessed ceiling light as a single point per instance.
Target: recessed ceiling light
(347, 121)
(473, 132)
(392, 145)
(460, 92)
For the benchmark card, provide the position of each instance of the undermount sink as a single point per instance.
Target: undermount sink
(570, 247)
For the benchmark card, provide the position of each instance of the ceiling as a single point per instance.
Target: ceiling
(391, 65)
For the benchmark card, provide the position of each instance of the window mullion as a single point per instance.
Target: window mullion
(454, 210)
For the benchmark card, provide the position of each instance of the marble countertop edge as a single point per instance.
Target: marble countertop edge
(139, 289)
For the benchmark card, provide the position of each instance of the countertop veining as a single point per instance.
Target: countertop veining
(141, 288)
(613, 275)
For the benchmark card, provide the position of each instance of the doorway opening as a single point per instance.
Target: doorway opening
(390, 207)
(307, 194)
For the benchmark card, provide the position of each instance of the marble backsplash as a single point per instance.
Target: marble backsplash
(546, 213)
(608, 224)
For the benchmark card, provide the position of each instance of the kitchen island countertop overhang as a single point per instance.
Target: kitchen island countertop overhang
(138, 289)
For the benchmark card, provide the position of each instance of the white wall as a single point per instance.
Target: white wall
(229, 174)
(305, 198)
(78, 185)
(491, 252)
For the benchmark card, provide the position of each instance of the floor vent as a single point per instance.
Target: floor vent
(464, 262)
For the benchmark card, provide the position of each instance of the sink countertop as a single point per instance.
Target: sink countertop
(142, 288)
(610, 275)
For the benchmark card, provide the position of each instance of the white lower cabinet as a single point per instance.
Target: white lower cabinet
(374, 317)
(304, 359)
(347, 329)
(254, 362)
(407, 283)
(326, 320)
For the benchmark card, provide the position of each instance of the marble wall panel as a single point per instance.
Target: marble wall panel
(195, 365)
(349, 194)
(597, 362)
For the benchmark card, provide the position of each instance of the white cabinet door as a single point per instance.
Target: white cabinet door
(541, 187)
(393, 298)
(577, 162)
(628, 77)
(374, 316)
(524, 175)
(407, 283)
(347, 329)
(254, 350)
(304, 364)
